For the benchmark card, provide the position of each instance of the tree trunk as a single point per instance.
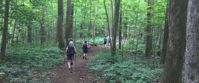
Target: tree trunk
(148, 31)
(69, 21)
(5, 30)
(1, 13)
(81, 28)
(112, 10)
(42, 28)
(29, 32)
(192, 46)
(120, 31)
(176, 42)
(115, 25)
(94, 30)
(125, 31)
(108, 23)
(13, 33)
(60, 25)
(165, 40)
(42, 33)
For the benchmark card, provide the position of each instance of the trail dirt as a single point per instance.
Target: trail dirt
(79, 74)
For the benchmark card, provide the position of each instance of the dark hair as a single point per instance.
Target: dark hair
(85, 41)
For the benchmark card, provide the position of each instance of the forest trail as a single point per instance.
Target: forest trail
(79, 74)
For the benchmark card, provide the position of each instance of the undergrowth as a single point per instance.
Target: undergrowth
(30, 65)
(125, 69)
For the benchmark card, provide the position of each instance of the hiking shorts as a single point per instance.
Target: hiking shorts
(85, 51)
(105, 42)
(70, 56)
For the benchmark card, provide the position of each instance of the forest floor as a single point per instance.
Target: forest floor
(80, 72)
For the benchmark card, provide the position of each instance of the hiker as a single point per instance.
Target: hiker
(105, 41)
(70, 52)
(85, 49)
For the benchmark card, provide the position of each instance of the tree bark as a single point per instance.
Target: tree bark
(165, 39)
(192, 46)
(115, 25)
(176, 42)
(1, 13)
(94, 32)
(5, 30)
(120, 31)
(60, 25)
(148, 31)
(69, 21)
(13, 33)
(108, 22)
(29, 32)
(42, 27)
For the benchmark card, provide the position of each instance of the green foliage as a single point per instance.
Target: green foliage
(130, 69)
(30, 65)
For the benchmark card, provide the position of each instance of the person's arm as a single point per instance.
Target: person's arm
(65, 51)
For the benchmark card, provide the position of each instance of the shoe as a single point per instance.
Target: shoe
(84, 57)
(70, 69)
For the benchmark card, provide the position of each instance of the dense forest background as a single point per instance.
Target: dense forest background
(151, 40)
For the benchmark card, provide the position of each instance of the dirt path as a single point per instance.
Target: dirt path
(79, 73)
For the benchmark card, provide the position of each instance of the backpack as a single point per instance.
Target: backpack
(85, 46)
(71, 50)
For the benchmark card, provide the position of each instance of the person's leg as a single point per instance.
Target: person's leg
(84, 54)
(69, 57)
(69, 64)
(72, 58)
(106, 44)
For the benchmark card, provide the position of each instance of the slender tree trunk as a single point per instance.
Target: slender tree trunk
(115, 25)
(148, 38)
(69, 21)
(176, 42)
(108, 22)
(80, 33)
(5, 30)
(89, 33)
(1, 13)
(120, 31)
(165, 40)
(60, 25)
(94, 28)
(29, 32)
(42, 28)
(192, 46)
(42, 33)
(111, 11)
(125, 30)
(13, 32)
